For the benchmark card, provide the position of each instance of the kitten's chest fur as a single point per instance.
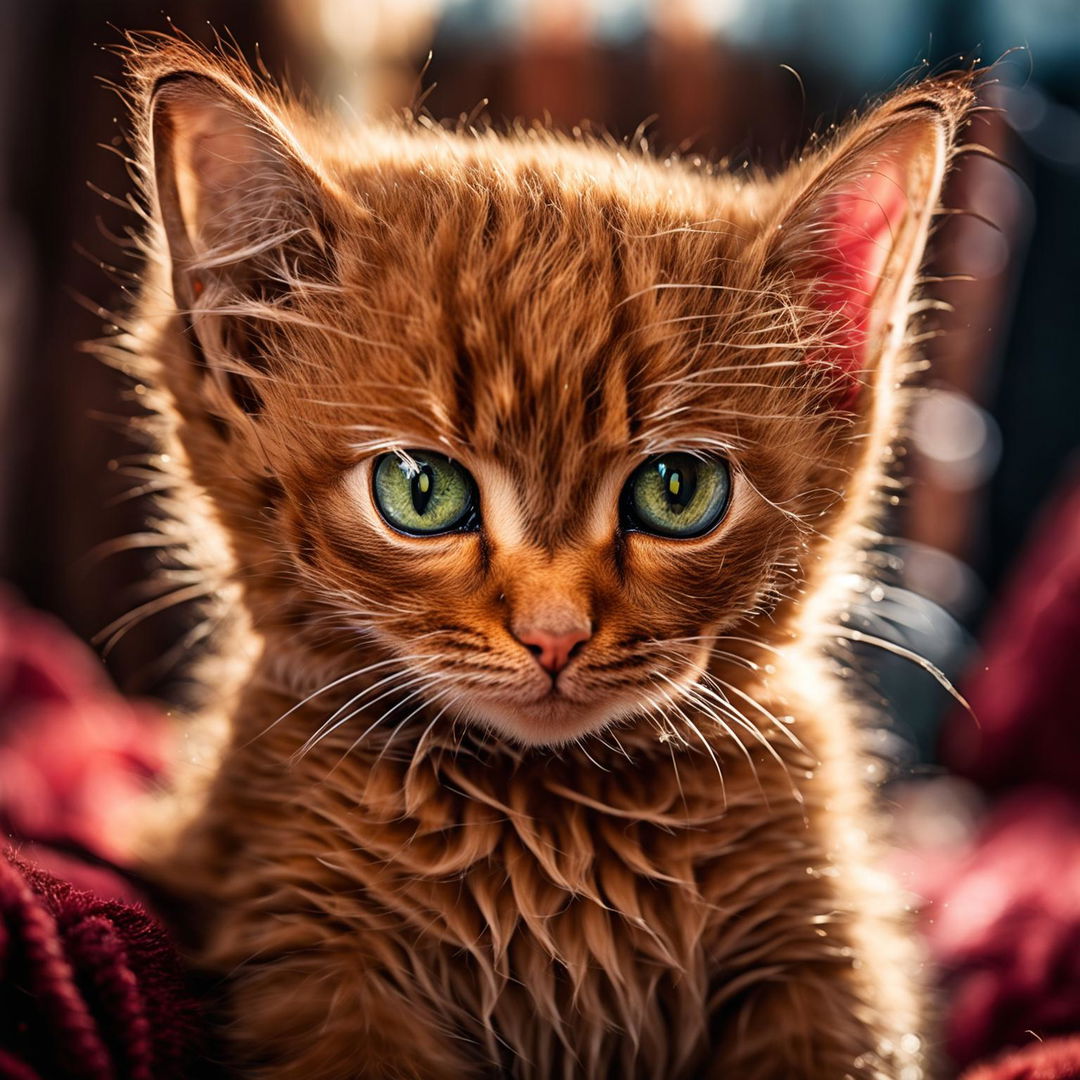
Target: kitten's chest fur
(537, 917)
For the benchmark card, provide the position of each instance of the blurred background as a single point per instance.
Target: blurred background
(981, 573)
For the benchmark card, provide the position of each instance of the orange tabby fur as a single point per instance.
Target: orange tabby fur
(675, 876)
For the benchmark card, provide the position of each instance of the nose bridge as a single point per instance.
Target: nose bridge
(548, 592)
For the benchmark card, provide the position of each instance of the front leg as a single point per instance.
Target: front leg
(817, 973)
(323, 1017)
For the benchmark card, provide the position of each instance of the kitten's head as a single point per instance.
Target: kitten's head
(539, 417)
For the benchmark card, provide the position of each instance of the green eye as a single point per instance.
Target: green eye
(422, 493)
(677, 495)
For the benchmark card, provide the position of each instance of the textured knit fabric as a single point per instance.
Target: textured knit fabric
(90, 989)
(1055, 1059)
(1023, 687)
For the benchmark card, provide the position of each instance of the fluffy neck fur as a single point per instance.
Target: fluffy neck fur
(685, 886)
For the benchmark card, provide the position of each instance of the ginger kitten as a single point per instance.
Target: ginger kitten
(532, 473)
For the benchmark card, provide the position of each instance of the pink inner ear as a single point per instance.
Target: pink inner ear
(859, 226)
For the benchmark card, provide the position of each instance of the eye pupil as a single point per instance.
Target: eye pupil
(421, 489)
(680, 485)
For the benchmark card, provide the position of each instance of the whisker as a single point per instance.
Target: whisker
(337, 721)
(697, 731)
(851, 634)
(754, 704)
(322, 690)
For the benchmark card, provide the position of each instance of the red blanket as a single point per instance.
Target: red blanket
(90, 989)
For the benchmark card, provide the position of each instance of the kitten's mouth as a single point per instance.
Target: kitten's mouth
(550, 719)
(562, 714)
(555, 693)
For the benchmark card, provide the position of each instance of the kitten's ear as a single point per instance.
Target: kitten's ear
(243, 210)
(851, 237)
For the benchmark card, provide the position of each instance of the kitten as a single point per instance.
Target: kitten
(535, 472)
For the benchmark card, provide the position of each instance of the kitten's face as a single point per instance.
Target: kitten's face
(539, 423)
(527, 398)
(550, 604)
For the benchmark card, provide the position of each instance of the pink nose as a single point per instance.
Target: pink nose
(553, 651)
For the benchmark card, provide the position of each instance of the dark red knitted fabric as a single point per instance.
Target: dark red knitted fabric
(1003, 923)
(1055, 1059)
(74, 754)
(1004, 916)
(1023, 686)
(90, 989)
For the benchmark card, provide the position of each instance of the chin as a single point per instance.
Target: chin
(553, 721)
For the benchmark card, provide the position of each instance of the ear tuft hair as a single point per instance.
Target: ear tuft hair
(854, 235)
(245, 213)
